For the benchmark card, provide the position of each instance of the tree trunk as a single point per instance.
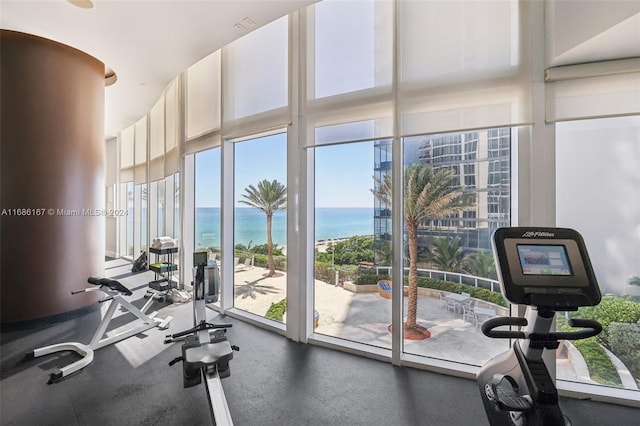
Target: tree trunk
(412, 230)
(272, 269)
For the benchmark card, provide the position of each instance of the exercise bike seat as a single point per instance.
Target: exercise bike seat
(208, 354)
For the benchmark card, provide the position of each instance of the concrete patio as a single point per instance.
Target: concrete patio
(365, 318)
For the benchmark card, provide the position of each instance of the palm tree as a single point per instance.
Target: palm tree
(427, 195)
(480, 264)
(447, 255)
(268, 197)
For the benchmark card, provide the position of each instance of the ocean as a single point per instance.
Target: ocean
(251, 225)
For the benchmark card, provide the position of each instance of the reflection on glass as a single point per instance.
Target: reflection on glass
(260, 226)
(597, 194)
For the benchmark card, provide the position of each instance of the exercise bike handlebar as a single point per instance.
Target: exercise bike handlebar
(589, 327)
(489, 325)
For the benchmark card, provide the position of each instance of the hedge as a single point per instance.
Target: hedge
(611, 309)
(276, 310)
(625, 343)
(475, 292)
(601, 369)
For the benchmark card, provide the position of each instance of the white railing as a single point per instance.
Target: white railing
(455, 277)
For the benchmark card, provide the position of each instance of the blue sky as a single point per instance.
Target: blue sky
(343, 172)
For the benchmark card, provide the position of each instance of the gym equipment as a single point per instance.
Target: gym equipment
(547, 269)
(206, 350)
(140, 264)
(114, 292)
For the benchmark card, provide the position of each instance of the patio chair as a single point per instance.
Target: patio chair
(450, 304)
(443, 299)
(242, 266)
(468, 313)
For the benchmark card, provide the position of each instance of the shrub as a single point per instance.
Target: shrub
(365, 279)
(262, 261)
(276, 310)
(611, 309)
(475, 292)
(625, 343)
(264, 249)
(601, 369)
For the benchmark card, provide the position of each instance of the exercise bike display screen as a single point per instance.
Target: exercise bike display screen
(544, 260)
(544, 267)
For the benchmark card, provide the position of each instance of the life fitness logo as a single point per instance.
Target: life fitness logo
(538, 234)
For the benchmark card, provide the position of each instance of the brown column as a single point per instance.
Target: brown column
(52, 156)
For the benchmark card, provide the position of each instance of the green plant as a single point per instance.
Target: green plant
(267, 197)
(351, 251)
(427, 194)
(475, 292)
(368, 279)
(624, 340)
(276, 310)
(446, 254)
(611, 309)
(264, 249)
(480, 264)
(601, 369)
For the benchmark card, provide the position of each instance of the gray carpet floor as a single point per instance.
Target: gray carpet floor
(274, 381)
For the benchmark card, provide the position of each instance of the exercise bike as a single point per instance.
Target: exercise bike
(206, 352)
(548, 270)
(114, 293)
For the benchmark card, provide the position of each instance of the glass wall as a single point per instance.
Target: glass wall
(346, 301)
(598, 181)
(327, 76)
(260, 200)
(160, 210)
(130, 218)
(456, 192)
(207, 202)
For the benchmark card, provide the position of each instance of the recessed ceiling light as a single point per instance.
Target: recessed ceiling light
(84, 4)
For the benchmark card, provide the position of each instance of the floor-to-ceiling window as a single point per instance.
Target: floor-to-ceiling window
(344, 247)
(370, 84)
(598, 181)
(160, 207)
(128, 191)
(207, 202)
(260, 200)
(456, 190)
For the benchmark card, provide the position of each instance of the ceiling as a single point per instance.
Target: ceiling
(149, 42)
(146, 43)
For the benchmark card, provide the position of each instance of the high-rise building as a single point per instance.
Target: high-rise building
(481, 162)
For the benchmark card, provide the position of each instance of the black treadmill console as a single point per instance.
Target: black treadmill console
(545, 267)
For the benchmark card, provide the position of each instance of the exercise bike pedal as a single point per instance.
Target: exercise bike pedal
(507, 398)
